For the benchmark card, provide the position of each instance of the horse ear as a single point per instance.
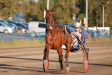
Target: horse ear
(53, 9)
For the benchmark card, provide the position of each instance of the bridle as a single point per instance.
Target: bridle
(49, 19)
(50, 23)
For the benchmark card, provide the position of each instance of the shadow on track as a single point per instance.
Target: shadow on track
(37, 69)
(55, 61)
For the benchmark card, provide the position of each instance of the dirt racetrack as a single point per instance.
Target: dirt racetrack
(27, 60)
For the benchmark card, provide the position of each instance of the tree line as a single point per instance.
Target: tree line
(66, 11)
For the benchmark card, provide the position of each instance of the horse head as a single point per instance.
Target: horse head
(49, 19)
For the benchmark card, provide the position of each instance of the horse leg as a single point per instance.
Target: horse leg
(61, 59)
(46, 58)
(46, 51)
(66, 58)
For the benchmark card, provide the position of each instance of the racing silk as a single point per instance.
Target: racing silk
(75, 44)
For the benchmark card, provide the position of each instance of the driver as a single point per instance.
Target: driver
(77, 34)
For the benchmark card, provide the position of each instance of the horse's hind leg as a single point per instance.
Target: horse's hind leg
(61, 59)
(66, 58)
(67, 64)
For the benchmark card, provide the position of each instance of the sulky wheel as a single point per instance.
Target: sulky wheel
(46, 61)
(86, 60)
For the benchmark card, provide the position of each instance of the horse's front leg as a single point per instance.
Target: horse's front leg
(46, 58)
(46, 53)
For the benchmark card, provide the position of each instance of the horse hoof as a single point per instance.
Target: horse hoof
(67, 69)
(62, 71)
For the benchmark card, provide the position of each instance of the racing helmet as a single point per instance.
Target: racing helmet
(77, 24)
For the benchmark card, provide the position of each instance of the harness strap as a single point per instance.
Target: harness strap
(52, 37)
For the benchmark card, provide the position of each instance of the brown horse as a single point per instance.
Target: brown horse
(55, 38)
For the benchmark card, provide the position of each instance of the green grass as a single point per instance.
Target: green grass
(21, 43)
(37, 42)
(98, 39)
